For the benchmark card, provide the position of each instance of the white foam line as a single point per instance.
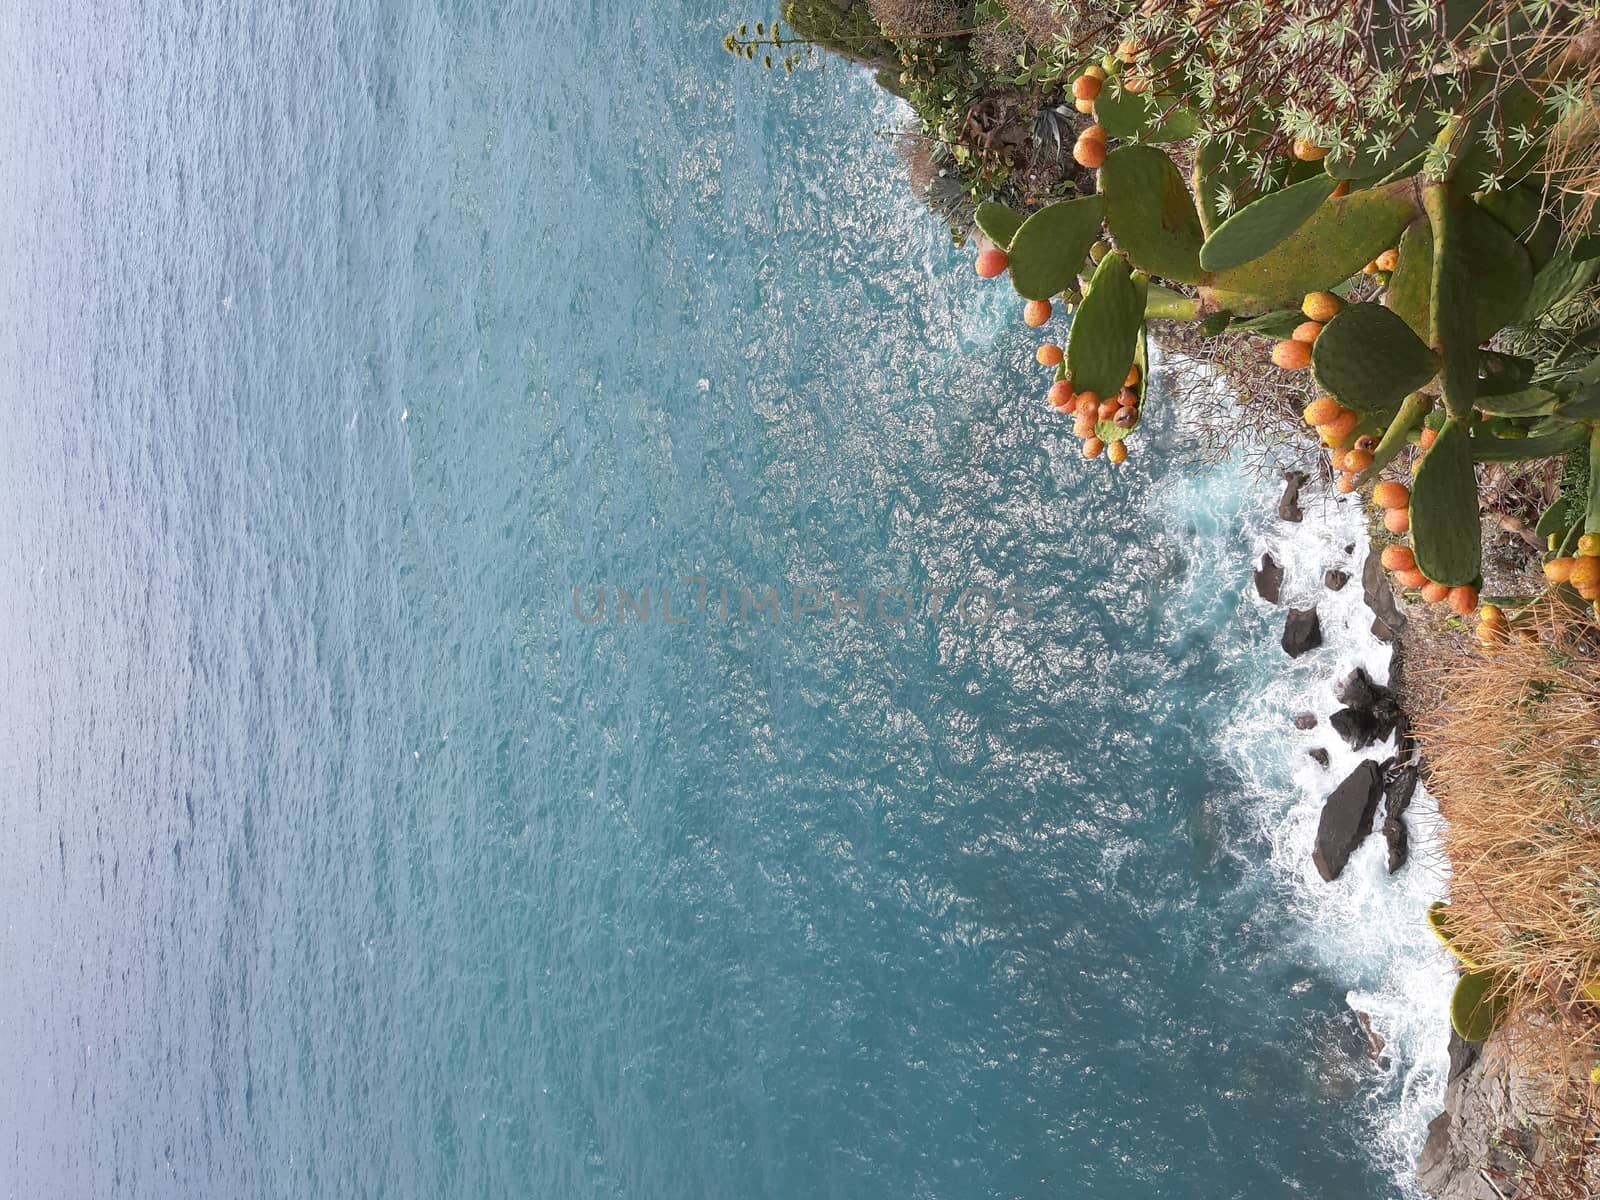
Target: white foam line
(1367, 929)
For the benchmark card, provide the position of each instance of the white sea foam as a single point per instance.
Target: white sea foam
(1367, 929)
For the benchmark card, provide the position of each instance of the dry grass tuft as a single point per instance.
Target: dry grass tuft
(996, 45)
(918, 18)
(1038, 20)
(1512, 742)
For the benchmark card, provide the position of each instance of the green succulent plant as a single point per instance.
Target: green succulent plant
(1478, 1005)
(1467, 266)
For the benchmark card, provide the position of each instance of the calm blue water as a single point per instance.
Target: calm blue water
(338, 858)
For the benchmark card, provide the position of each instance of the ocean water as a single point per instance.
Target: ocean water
(343, 855)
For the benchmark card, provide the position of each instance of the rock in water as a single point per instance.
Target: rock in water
(1357, 690)
(1358, 727)
(1387, 618)
(1289, 506)
(1319, 756)
(1302, 632)
(1306, 720)
(1335, 579)
(1399, 785)
(1269, 579)
(1371, 712)
(1347, 818)
(1394, 832)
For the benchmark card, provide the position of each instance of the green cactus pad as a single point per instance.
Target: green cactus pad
(1275, 325)
(1557, 281)
(1501, 273)
(1591, 520)
(1453, 318)
(1478, 1005)
(1150, 118)
(1526, 403)
(1120, 113)
(1262, 224)
(1539, 444)
(1211, 171)
(1444, 509)
(1110, 431)
(1411, 286)
(1050, 246)
(1150, 212)
(1368, 359)
(998, 223)
(1556, 519)
(1342, 236)
(1521, 210)
(1439, 922)
(1105, 330)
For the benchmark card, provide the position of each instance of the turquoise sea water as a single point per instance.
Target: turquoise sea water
(339, 857)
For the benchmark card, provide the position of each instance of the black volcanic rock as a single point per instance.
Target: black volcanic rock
(1347, 818)
(1319, 756)
(1269, 579)
(1394, 832)
(1387, 617)
(1399, 785)
(1357, 690)
(1335, 579)
(1305, 720)
(1289, 505)
(1302, 632)
(1359, 727)
(1371, 711)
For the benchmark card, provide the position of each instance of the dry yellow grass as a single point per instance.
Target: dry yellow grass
(1511, 737)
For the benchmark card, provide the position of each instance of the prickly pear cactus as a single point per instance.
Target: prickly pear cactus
(1444, 509)
(1342, 236)
(998, 223)
(1150, 212)
(1439, 922)
(1149, 118)
(1478, 1005)
(1049, 247)
(1262, 224)
(1395, 438)
(1101, 345)
(1453, 318)
(1502, 271)
(1411, 286)
(1368, 359)
(1121, 113)
(1110, 431)
(1529, 402)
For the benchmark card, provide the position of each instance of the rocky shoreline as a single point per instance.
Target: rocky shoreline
(1488, 1127)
